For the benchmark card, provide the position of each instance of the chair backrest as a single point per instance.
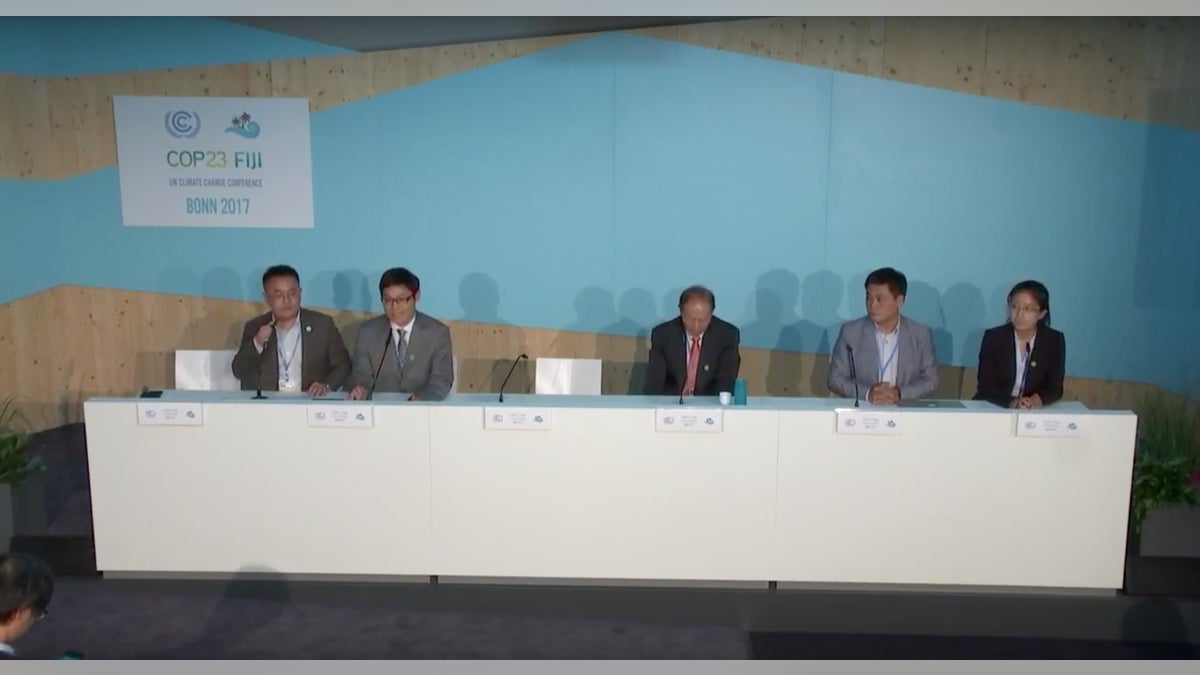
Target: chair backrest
(205, 370)
(568, 376)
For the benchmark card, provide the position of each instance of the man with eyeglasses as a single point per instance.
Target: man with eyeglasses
(289, 350)
(26, 585)
(411, 351)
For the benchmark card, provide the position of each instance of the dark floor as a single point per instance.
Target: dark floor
(271, 617)
(840, 646)
(267, 615)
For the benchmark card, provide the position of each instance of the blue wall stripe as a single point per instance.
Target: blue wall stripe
(582, 187)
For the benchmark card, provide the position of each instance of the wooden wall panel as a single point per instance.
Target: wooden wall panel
(24, 128)
(946, 53)
(1087, 64)
(1112, 66)
(128, 339)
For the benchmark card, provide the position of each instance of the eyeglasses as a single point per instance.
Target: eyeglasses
(396, 302)
(1025, 309)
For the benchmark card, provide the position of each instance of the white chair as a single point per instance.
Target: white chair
(568, 376)
(205, 370)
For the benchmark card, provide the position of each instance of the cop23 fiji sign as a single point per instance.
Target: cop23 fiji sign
(214, 162)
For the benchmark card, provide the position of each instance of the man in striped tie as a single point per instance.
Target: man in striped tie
(402, 350)
(696, 353)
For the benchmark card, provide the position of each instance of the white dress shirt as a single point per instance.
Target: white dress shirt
(288, 349)
(1018, 384)
(888, 345)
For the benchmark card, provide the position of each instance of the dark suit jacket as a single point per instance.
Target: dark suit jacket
(323, 354)
(998, 366)
(719, 359)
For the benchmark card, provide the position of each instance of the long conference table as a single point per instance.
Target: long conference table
(789, 490)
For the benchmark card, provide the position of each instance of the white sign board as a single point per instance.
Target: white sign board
(334, 415)
(699, 420)
(214, 162)
(868, 421)
(532, 419)
(170, 414)
(1049, 424)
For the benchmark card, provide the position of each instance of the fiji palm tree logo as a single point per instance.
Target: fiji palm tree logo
(243, 126)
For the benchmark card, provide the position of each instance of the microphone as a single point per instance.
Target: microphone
(1025, 371)
(853, 373)
(262, 358)
(510, 372)
(375, 378)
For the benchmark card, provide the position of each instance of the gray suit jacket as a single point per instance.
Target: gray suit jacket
(323, 355)
(916, 362)
(429, 365)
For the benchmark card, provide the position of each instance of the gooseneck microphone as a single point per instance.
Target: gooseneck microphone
(853, 373)
(1025, 371)
(262, 358)
(375, 378)
(510, 372)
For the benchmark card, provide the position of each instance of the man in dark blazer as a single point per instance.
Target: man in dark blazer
(26, 586)
(696, 353)
(287, 349)
(411, 351)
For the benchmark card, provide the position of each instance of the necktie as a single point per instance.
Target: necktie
(401, 348)
(693, 360)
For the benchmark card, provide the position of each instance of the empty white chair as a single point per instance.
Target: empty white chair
(205, 370)
(568, 376)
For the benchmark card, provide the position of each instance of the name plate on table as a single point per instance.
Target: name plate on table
(170, 414)
(700, 420)
(1049, 424)
(343, 416)
(872, 421)
(529, 419)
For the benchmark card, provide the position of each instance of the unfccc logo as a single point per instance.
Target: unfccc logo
(182, 124)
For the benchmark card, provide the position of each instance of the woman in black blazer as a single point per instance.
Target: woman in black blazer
(1022, 363)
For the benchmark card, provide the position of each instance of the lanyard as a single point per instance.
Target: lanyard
(883, 365)
(287, 362)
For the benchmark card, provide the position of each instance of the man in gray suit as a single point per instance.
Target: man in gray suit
(889, 357)
(287, 349)
(411, 351)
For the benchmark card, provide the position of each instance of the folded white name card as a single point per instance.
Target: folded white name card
(334, 415)
(1049, 424)
(504, 417)
(700, 420)
(170, 414)
(868, 421)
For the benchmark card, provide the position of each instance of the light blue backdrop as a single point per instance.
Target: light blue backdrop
(582, 187)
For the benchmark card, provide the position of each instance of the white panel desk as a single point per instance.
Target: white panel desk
(947, 497)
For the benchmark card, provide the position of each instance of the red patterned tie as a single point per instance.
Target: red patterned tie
(689, 387)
